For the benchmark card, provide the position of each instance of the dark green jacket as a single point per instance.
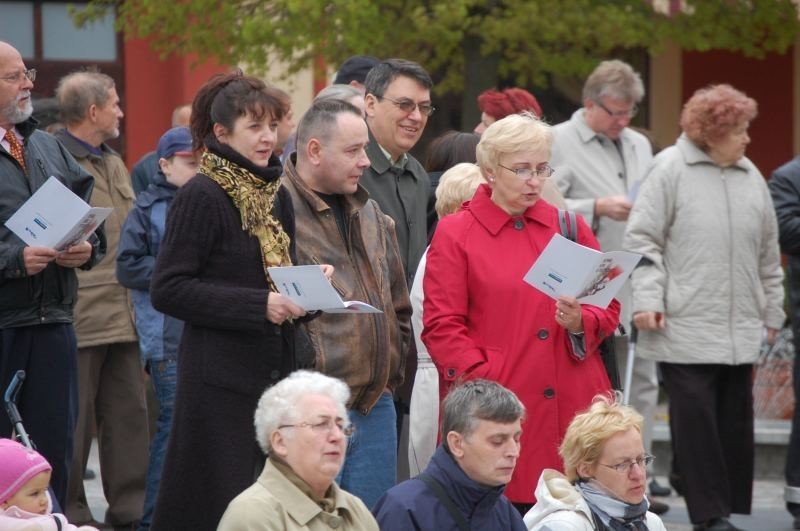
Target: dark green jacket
(402, 193)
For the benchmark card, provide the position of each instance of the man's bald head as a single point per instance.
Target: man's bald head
(15, 88)
(182, 115)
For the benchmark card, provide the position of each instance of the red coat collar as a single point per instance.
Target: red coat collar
(494, 218)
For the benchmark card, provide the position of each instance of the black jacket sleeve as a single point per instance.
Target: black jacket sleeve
(785, 189)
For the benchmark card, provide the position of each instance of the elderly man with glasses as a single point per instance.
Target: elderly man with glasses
(38, 286)
(301, 424)
(599, 162)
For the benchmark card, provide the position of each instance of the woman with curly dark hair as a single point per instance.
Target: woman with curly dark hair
(224, 229)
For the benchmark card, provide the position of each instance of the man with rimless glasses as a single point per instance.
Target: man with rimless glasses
(599, 162)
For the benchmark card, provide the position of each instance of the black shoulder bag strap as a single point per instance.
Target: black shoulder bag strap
(446, 500)
(58, 522)
(569, 229)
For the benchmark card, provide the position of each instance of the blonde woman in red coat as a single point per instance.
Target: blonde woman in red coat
(482, 320)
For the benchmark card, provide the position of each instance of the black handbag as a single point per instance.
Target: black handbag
(569, 229)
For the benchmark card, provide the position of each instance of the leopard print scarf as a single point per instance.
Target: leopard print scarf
(253, 197)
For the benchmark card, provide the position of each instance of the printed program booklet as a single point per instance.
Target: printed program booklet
(307, 287)
(569, 268)
(55, 217)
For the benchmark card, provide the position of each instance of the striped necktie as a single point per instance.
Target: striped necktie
(15, 148)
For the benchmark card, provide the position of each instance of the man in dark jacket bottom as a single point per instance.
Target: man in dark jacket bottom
(462, 487)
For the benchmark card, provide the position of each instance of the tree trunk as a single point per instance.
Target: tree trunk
(480, 73)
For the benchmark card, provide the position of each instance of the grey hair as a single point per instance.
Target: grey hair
(382, 74)
(78, 91)
(338, 92)
(320, 119)
(278, 404)
(478, 400)
(614, 79)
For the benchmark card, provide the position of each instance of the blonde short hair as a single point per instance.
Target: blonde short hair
(456, 185)
(614, 79)
(589, 430)
(512, 134)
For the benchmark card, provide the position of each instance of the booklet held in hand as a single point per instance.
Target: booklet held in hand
(569, 268)
(55, 217)
(307, 287)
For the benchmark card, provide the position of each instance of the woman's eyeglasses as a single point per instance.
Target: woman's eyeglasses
(541, 172)
(323, 426)
(625, 467)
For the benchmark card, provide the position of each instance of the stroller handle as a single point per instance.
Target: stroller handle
(13, 388)
(11, 408)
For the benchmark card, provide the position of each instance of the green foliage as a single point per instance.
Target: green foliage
(530, 38)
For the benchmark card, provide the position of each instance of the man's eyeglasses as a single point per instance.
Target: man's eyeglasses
(630, 113)
(323, 426)
(542, 172)
(625, 467)
(18, 76)
(407, 106)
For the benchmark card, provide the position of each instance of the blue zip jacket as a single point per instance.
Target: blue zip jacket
(412, 505)
(159, 334)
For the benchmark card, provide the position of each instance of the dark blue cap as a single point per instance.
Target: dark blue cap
(355, 68)
(176, 141)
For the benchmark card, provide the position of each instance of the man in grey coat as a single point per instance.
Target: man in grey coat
(599, 162)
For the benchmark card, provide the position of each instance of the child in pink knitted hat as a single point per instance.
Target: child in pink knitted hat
(24, 500)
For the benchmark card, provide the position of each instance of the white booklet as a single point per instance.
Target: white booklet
(569, 268)
(55, 217)
(307, 287)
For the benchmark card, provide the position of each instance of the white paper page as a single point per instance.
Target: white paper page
(605, 281)
(307, 287)
(50, 214)
(562, 268)
(568, 268)
(84, 228)
(634, 191)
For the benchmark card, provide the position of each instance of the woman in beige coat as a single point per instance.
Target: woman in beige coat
(302, 425)
(709, 286)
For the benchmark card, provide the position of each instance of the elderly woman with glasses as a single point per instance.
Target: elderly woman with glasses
(710, 286)
(482, 320)
(605, 467)
(302, 425)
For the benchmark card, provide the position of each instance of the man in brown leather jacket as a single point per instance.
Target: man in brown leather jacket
(338, 224)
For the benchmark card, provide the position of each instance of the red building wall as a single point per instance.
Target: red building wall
(768, 81)
(153, 88)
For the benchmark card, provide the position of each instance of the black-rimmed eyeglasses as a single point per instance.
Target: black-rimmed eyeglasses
(407, 106)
